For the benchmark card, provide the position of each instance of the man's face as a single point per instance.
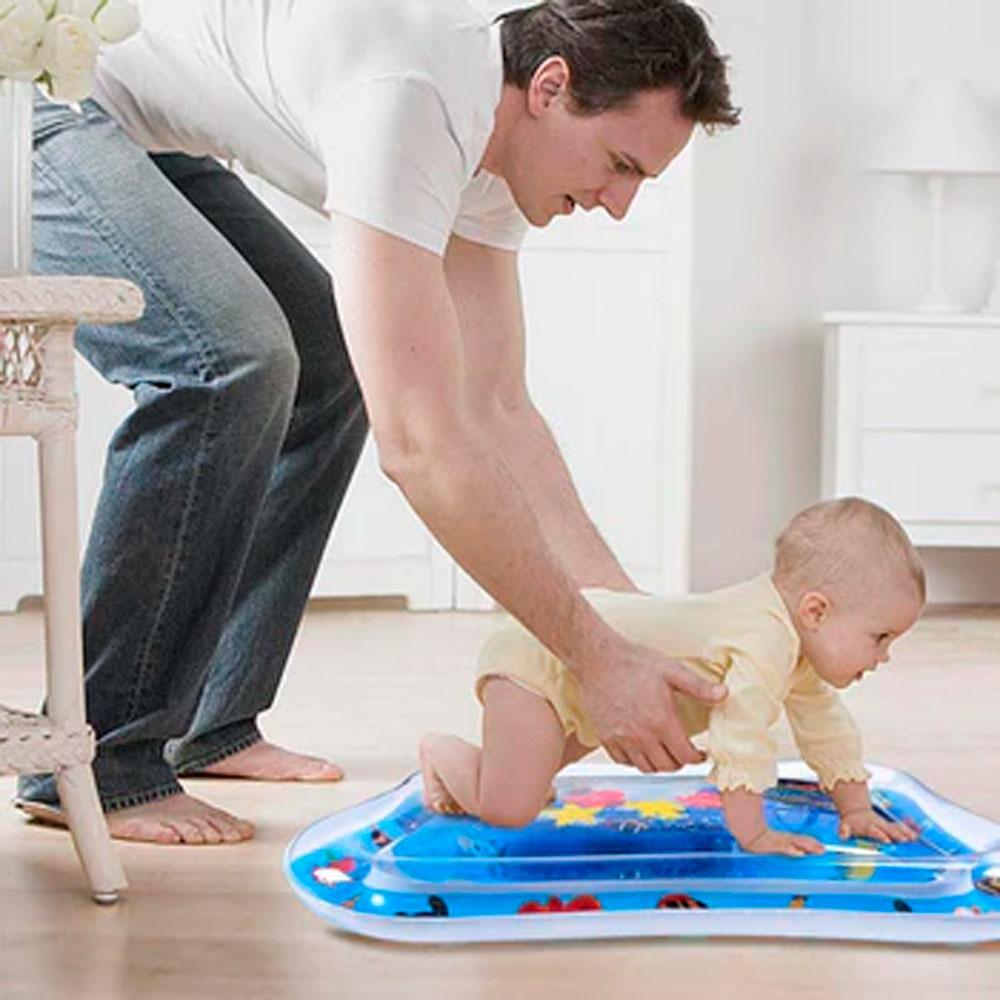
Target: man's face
(562, 159)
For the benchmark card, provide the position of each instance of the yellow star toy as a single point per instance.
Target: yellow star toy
(657, 809)
(573, 815)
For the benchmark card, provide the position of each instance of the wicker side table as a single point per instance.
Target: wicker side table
(38, 316)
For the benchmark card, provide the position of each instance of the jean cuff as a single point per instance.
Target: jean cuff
(126, 776)
(210, 748)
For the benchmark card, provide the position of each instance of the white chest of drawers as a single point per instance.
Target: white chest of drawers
(912, 421)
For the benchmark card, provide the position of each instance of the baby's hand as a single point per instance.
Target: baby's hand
(795, 845)
(868, 823)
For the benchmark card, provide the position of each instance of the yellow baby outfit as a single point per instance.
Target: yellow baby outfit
(742, 636)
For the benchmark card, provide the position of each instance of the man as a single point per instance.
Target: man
(428, 131)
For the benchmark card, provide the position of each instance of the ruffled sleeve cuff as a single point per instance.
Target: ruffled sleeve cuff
(755, 776)
(830, 770)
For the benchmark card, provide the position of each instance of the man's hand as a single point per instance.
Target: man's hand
(867, 823)
(630, 698)
(793, 845)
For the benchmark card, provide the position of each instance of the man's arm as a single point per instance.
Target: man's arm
(484, 286)
(436, 440)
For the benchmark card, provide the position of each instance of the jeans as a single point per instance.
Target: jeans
(222, 484)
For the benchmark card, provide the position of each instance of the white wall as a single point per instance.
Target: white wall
(788, 225)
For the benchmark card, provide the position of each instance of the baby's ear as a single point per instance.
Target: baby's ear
(813, 609)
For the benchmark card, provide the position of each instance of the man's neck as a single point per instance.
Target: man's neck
(504, 116)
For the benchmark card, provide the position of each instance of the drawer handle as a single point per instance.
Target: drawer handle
(989, 487)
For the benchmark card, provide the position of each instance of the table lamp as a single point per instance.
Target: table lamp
(941, 130)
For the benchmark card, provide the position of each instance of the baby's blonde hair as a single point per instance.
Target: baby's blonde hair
(838, 544)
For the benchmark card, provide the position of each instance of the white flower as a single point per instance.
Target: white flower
(69, 54)
(117, 20)
(76, 8)
(21, 26)
(55, 42)
(71, 89)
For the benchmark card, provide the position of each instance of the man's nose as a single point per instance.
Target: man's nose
(617, 196)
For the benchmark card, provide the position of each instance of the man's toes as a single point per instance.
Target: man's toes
(314, 769)
(242, 831)
(158, 833)
(323, 770)
(189, 831)
(246, 830)
(232, 834)
(151, 831)
(232, 828)
(209, 830)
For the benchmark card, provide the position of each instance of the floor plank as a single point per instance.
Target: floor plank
(221, 923)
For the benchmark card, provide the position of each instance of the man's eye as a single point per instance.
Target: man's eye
(621, 167)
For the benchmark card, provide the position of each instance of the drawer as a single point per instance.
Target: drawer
(932, 477)
(930, 380)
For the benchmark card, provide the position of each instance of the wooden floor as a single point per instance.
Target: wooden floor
(220, 922)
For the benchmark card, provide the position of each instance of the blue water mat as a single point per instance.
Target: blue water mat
(623, 854)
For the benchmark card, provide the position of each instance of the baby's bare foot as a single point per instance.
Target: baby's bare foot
(437, 798)
(266, 762)
(179, 819)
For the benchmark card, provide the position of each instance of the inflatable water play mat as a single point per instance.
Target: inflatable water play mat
(618, 853)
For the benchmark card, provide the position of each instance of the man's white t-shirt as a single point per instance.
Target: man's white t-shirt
(379, 110)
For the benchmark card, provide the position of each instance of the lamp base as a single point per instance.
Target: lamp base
(937, 298)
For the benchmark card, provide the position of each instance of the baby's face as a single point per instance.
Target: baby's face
(850, 639)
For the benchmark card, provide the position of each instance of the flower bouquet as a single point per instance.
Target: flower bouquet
(55, 42)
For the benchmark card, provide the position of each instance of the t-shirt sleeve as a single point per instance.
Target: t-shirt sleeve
(392, 160)
(494, 220)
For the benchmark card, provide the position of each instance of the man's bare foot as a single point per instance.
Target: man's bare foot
(437, 798)
(179, 819)
(264, 761)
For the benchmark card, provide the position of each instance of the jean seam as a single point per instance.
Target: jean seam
(132, 263)
(210, 368)
(175, 560)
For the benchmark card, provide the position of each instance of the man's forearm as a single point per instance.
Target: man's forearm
(533, 457)
(465, 493)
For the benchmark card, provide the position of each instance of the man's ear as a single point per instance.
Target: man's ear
(548, 84)
(814, 608)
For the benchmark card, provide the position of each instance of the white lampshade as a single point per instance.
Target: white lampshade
(940, 130)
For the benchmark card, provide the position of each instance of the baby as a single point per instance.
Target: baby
(846, 582)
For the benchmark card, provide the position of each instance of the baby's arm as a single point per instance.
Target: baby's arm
(745, 817)
(831, 744)
(743, 754)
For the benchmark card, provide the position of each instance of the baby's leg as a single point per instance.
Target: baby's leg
(508, 781)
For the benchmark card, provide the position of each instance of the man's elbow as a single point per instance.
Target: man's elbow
(413, 458)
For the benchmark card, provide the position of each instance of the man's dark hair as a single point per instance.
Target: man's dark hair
(616, 48)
